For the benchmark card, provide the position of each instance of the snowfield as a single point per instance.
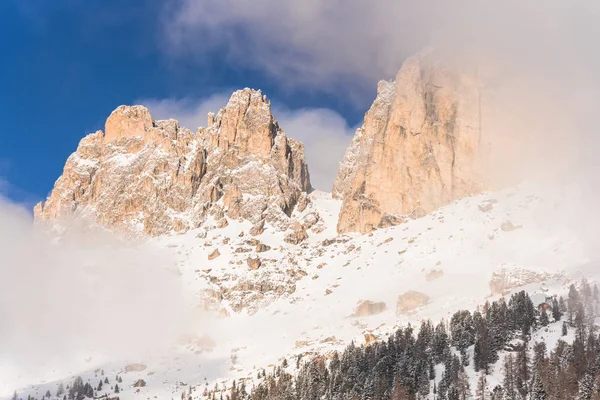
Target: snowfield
(303, 299)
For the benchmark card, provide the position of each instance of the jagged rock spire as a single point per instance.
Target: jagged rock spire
(156, 177)
(418, 149)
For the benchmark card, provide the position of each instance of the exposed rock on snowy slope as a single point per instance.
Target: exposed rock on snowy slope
(156, 177)
(410, 301)
(505, 280)
(418, 149)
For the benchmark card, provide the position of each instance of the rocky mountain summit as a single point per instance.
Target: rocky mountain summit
(156, 177)
(421, 147)
(418, 149)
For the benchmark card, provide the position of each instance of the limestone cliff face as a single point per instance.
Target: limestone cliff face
(418, 149)
(156, 177)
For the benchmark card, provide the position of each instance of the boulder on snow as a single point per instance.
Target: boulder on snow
(296, 236)
(223, 223)
(487, 205)
(214, 255)
(508, 226)
(366, 308)
(506, 279)
(139, 383)
(409, 301)
(433, 274)
(136, 367)
(261, 247)
(253, 263)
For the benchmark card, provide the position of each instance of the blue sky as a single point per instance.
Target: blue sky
(68, 63)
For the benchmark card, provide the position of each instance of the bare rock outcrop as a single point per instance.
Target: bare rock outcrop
(261, 247)
(409, 301)
(433, 274)
(254, 263)
(508, 226)
(506, 279)
(296, 236)
(418, 149)
(139, 383)
(258, 228)
(155, 177)
(214, 254)
(135, 367)
(370, 338)
(367, 308)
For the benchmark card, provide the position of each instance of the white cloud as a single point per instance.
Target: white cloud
(87, 294)
(324, 132)
(347, 45)
(322, 44)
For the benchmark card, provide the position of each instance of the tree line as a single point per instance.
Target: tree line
(434, 361)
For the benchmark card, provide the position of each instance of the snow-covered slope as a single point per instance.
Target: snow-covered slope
(304, 299)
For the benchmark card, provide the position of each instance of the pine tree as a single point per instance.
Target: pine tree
(60, 390)
(510, 392)
(586, 290)
(537, 389)
(117, 390)
(544, 318)
(462, 330)
(497, 393)
(481, 392)
(462, 385)
(522, 370)
(431, 369)
(574, 300)
(564, 328)
(440, 344)
(562, 306)
(399, 392)
(497, 322)
(483, 354)
(88, 390)
(586, 387)
(556, 313)
(539, 355)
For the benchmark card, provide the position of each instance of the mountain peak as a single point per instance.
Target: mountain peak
(127, 121)
(155, 177)
(418, 149)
